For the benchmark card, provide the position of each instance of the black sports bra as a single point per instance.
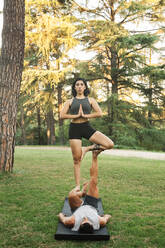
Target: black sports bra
(75, 106)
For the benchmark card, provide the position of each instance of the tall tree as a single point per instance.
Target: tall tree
(49, 36)
(11, 66)
(118, 51)
(152, 90)
(60, 122)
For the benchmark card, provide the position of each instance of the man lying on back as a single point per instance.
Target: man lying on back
(85, 218)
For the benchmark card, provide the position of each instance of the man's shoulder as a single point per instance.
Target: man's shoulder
(69, 221)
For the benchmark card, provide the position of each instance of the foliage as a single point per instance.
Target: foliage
(48, 39)
(152, 139)
(121, 66)
(122, 57)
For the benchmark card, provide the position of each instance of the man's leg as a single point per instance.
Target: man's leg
(93, 189)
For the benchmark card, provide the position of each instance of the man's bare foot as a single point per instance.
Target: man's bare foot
(96, 152)
(94, 147)
(84, 188)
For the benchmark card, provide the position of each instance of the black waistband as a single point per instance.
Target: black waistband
(82, 123)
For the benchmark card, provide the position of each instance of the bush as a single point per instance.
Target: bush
(152, 139)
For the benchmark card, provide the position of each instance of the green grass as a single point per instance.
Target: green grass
(132, 191)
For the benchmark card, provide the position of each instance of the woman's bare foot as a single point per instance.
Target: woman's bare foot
(77, 188)
(86, 149)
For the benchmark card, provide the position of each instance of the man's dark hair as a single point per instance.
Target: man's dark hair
(86, 228)
(86, 91)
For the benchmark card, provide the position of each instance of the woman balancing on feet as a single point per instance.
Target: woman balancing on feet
(80, 109)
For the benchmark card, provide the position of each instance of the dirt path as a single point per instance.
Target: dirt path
(138, 154)
(114, 152)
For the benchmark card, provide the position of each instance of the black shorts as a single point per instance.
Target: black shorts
(81, 130)
(90, 200)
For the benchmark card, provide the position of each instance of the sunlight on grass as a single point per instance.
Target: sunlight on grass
(132, 190)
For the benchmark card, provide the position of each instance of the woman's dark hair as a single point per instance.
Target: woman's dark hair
(86, 91)
(86, 228)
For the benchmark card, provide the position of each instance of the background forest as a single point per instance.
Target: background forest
(124, 66)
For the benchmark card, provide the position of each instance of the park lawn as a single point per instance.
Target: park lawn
(132, 191)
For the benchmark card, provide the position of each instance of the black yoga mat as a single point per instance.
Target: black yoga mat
(65, 233)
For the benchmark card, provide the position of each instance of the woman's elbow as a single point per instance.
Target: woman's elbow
(61, 116)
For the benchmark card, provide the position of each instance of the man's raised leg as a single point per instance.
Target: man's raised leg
(93, 189)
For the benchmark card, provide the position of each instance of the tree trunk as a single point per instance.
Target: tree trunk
(150, 103)
(23, 136)
(50, 128)
(60, 122)
(39, 125)
(11, 66)
(113, 56)
(114, 97)
(108, 94)
(150, 95)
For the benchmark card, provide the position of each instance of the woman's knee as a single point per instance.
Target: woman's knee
(109, 144)
(77, 159)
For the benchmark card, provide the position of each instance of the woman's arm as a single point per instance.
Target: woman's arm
(67, 221)
(64, 112)
(97, 110)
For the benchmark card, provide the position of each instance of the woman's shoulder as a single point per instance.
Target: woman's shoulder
(69, 101)
(91, 100)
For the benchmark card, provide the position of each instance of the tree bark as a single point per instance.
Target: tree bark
(60, 122)
(39, 125)
(23, 138)
(150, 103)
(114, 77)
(50, 128)
(11, 66)
(114, 98)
